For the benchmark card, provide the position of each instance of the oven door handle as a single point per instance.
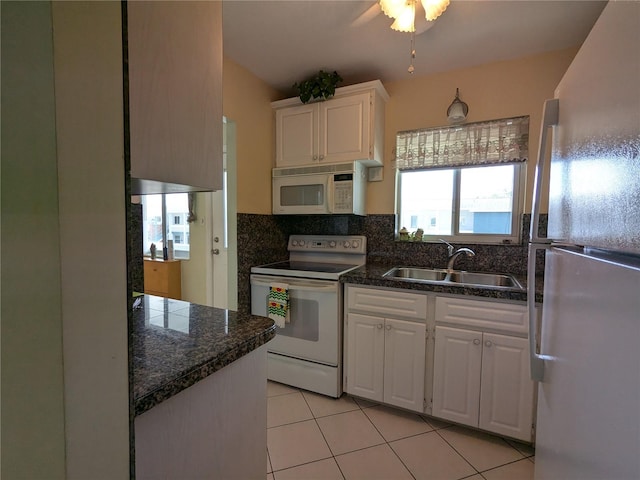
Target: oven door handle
(304, 287)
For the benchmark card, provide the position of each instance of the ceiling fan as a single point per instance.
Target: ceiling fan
(421, 24)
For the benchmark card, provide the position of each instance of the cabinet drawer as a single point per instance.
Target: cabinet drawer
(482, 314)
(387, 302)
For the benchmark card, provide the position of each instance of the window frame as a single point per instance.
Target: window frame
(166, 230)
(520, 170)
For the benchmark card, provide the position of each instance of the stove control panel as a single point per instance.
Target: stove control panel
(349, 244)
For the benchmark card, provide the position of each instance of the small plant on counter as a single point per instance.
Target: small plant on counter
(321, 86)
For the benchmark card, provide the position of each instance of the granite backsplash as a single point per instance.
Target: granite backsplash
(136, 262)
(263, 239)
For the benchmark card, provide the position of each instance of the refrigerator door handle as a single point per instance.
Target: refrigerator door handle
(549, 118)
(536, 362)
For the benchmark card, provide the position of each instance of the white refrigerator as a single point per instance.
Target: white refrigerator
(585, 351)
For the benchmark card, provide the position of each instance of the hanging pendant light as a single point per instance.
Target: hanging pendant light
(458, 110)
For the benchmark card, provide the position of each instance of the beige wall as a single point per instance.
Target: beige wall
(246, 101)
(194, 270)
(492, 91)
(496, 90)
(32, 378)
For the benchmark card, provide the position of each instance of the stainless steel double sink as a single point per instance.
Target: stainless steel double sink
(454, 277)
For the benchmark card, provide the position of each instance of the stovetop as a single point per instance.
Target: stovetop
(319, 256)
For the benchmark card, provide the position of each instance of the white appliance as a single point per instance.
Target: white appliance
(320, 189)
(587, 359)
(307, 352)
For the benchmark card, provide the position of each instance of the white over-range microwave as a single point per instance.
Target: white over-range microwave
(320, 189)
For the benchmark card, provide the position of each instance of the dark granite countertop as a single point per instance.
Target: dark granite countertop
(177, 343)
(372, 274)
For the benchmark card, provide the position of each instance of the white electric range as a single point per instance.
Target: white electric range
(307, 352)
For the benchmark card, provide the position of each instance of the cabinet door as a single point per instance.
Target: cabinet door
(175, 101)
(506, 399)
(345, 128)
(163, 278)
(404, 364)
(365, 356)
(456, 376)
(296, 135)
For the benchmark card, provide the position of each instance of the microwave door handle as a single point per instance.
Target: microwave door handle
(330, 187)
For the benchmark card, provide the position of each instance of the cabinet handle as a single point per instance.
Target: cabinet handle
(476, 342)
(388, 327)
(321, 157)
(315, 157)
(487, 343)
(379, 325)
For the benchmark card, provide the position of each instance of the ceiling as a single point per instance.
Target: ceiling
(282, 42)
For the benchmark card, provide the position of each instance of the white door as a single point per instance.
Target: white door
(219, 249)
(456, 376)
(345, 128)
(506, 398)
(404, 364)
(296, 135)
(222, 229)
(365, 356)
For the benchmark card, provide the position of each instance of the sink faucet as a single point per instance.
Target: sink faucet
(450, 247)
(452, 256)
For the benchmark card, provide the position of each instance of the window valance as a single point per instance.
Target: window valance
(480, 143)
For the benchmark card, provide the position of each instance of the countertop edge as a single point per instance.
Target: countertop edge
(262, 331)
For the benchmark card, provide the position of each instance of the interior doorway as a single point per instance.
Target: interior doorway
(222, 236)
(210, 274)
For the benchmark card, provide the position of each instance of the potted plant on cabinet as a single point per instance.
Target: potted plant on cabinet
(321, 86)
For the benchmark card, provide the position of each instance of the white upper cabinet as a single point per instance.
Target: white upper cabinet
(347, 127)
(175, 95)
(296, 135)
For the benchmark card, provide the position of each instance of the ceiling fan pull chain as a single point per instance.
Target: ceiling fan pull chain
(413, 52)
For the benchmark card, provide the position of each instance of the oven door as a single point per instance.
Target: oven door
(313, 331)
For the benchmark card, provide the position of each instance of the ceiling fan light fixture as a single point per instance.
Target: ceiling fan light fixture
(434, 8)
(405, 21)
(404, 14)
(392, 8)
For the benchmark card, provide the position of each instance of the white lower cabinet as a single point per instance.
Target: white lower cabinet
(385, 357)
(481, 379)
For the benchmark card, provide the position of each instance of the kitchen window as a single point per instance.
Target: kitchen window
(463, 183)
(156, 209)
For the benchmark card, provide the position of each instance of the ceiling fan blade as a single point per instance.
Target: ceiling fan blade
(422, 25)
(369, 14)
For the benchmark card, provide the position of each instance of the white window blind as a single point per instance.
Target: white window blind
(480, 143)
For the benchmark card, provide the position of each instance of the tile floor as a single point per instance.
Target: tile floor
(311, 436)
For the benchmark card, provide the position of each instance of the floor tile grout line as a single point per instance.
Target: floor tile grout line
(307, 463)
(459, 453)
(324, 438)
(492, 468)
(503, 465)
(385, 441)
